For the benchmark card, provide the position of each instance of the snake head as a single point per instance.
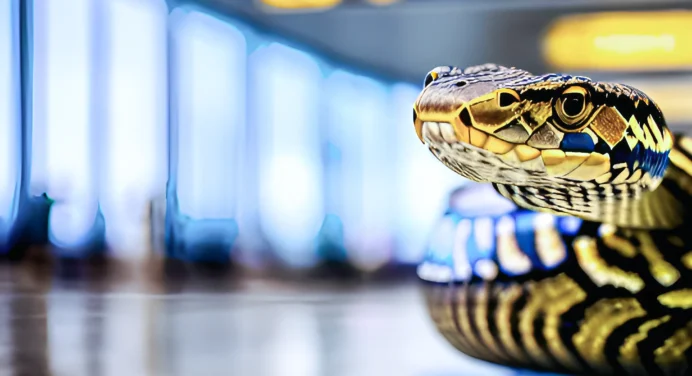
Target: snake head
(555, 132)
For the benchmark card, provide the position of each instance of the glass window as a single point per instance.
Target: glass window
(134, 143)
(285, 86)
(9, 116)
(63, 160)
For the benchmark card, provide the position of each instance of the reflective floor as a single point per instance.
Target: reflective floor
(133, 326)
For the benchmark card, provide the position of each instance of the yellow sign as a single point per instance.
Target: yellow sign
(382, 2)
(301, 4)
(621, 41)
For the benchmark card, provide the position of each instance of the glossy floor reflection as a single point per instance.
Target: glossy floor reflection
(252, 327)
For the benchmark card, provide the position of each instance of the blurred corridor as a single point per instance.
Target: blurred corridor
(171, 172)
(198, 132)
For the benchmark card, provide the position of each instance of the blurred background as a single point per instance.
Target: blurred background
(235, 154)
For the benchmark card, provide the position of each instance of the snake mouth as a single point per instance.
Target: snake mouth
(518, 155)
(580, 166)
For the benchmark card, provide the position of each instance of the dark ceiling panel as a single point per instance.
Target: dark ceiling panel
(405, 40)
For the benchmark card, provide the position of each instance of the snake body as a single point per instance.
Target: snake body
(612, 296)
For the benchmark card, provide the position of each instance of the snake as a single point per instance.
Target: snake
(592, 273)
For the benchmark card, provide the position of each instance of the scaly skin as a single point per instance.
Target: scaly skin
(619, 301)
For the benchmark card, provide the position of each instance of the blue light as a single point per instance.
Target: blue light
(443, 241)
(62, 160)
(285, 101)
(210, 91)
(360, 181)
(516, 241)
(9, 121)
(525, 232)
(484, 234)
(569, 225)
(134, 162)
(211, 112)
(439, 263)
(480, 244)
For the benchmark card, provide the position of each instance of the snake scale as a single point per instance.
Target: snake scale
(612, 297)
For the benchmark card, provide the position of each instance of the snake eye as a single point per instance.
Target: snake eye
(573, 105)
(572, 108)
(506, 98)
(432, 76)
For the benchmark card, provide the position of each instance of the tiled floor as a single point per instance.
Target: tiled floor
(248, 327)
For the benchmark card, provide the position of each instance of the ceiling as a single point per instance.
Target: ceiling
(405, 40)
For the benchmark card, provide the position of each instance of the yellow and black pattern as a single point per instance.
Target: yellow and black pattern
(620, 301)
(618, 305)
(588, 149)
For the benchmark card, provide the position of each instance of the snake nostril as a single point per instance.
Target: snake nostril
(465, 117)
(460, 83)
(415, 115)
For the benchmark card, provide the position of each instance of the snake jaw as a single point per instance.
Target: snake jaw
(418, 125)
(548, 163)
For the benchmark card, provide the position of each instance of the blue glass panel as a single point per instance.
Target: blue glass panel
(360, 181)
(210, 70)
(134, 137)
(10, 141)
(285, 88)
(63, 161)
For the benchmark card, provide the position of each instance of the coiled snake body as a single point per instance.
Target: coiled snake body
(615, 295)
